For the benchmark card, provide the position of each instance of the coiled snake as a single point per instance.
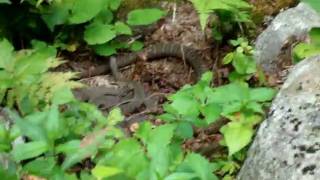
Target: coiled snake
(104, 97)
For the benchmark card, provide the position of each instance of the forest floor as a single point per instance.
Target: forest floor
(167, 75)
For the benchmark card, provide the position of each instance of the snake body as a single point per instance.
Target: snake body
(157, 51)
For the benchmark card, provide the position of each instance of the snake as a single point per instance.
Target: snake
(154, 52)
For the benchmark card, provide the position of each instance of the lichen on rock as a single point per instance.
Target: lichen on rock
(287, 144)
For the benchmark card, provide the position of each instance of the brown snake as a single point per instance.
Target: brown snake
(157, 51)
(103, 96)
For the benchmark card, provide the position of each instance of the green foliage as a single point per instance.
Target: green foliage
(307, 49)
(62, 132)
(313, 3)
(229, 13)
(46, 132)
(242, 60)
(304, 50)
(25, 81)
(93, 20)
(201, 105)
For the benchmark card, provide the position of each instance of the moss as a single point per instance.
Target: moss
(269, 7)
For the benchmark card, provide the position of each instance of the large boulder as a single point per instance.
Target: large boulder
(287, 144)
(273, 46)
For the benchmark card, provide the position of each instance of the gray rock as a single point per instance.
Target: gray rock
(287, 144)
(288, 27)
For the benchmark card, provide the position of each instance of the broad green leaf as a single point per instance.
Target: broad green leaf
(228, 58)
(262, 94)
(239, 4)
(30, 129)
(54, 124)
(40, 166)
(143, 133)
(98, 33)
(313, 3)
(255, 107)
(144, 16)
(185, 105)
(105, 49)
(184, 130)
(304, 50)
(315, 36)
(104, 17)
(115, 116)
(125, 155)
(199, 166)
(181, 176)
(229, 93)
(136, 46)
(57, 13)
(231, 107)
(211, 112)
(207, 77)
(158, 148)
(122, 28)
(243, 64)
(101, 172)
(62, 95)
(237, 136)
(114, 4)
(29, 150)
(6, 50)
(84, 10)
(88, 147)
(68, 147)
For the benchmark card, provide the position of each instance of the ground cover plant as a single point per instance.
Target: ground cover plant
(47, 133)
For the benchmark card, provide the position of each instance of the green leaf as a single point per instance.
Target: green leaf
(144, 131)
(88, 147)
(198, 165)
(122, 28)
(54, 124)
(184, 130)
(313, 3)
(40, 167)
(255, 107)
(243, 64)
(84, 10)
(101, 172)
(104, 17)
(229, 93)
(144, 16)
(114, 4)
(158, 148)
(136, 46)
(185, 104)
(30, 129)
(315, 36)
(29, 150)
(181, 176)
(6, 50)
(105, 49)
(98, 33)
(57, 13)
(211, 112)
(68, 147)
(237, 136)
(115, 116)
(262, 94)
(62, 95)
(228, 58)
(125, 155)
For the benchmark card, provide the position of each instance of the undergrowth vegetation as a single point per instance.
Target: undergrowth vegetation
(46, 132)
